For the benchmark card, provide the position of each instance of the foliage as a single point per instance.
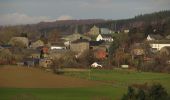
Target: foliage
(154, 92)
(6, 57)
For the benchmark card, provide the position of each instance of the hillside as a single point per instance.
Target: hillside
(143, 24)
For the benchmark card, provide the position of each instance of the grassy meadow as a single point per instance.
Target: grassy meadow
(112, 85)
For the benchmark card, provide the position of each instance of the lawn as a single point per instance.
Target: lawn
(123, 78)
(112, 84)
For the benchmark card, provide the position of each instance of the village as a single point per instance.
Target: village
(84, 50)
(76, 49)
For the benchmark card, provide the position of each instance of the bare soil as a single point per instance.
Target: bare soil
(24, 77)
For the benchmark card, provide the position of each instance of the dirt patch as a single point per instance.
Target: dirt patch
(23, 77)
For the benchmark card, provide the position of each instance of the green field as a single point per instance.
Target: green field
(123, 78)
(95, 93)
(115, 83)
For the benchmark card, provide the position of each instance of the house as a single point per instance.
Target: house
(31, 62)
(104, 37)
(158, 45)
(80, 45)
(34, 53)
(100, 54)
(75, 36)
(126, 31)
(37, 44)
(57, 46)
(59, 53)
(95, 44)
(153, 37)
(165, 51)
(45, 63)
(94, 31)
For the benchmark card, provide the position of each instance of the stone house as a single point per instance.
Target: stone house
(79, 46)
(94, 31)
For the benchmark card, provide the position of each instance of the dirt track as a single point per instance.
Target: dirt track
(23, 77)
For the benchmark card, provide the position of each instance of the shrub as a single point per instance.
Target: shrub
(153, 92)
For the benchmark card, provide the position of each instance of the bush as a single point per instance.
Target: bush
(154, 92)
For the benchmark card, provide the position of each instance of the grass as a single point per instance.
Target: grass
(96, 93)
(124, 78)
(115, 85)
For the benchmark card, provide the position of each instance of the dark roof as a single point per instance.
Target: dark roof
(160, 41)
(80, 40)
(6, 46)
(96, 43)
(106, 35)
(156, 36)
(57, 44)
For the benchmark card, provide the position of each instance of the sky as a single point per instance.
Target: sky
(14, 12)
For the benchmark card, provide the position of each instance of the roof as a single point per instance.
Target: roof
(6, 46)
(96, 43)
(106, 35)
(159, 42)
(156, 36)
(57, 44)
(81, 40)
(105, 31)
(74, 37)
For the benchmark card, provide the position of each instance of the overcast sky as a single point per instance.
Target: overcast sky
(14, 12)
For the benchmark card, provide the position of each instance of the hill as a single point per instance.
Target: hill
(145, 23)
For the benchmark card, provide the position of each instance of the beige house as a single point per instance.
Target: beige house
(94, 31)
(45, 63)
(79, 46)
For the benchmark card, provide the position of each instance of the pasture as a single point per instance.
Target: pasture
(21, 83)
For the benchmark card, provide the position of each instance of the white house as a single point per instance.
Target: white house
(104, 37)
(99, 37)
(159, 46)
(126, 31)
(57, 47)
